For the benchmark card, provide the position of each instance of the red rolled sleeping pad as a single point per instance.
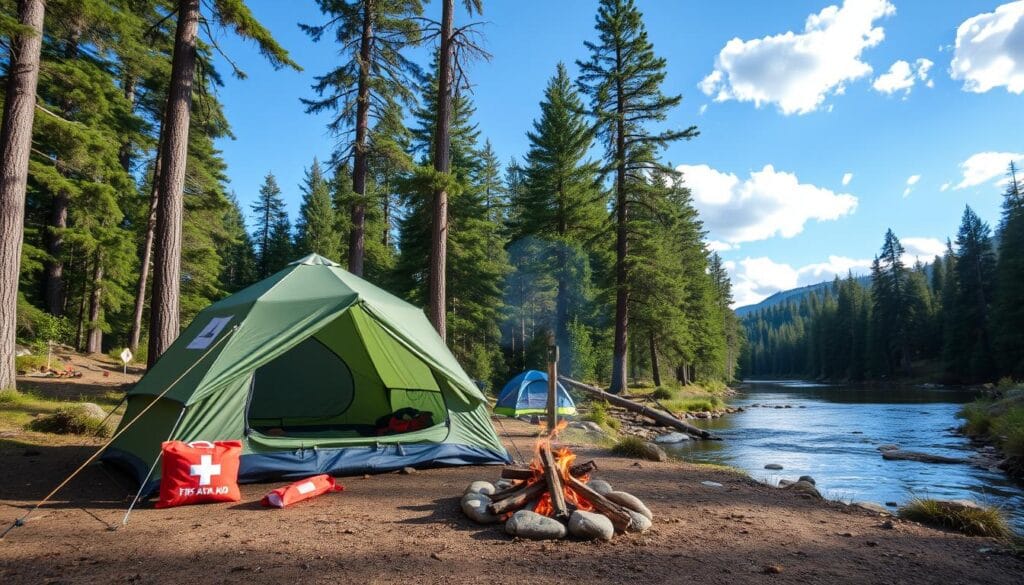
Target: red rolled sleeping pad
(303, 489)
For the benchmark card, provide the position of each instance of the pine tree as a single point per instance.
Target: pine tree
(15, 146)
(1008, 310)
(373, 35)
(316, 226)
(561, 204)
(975, 267)
(623, 78)
(893, 307)
(238, 269)
(234, 14)
(272, 236)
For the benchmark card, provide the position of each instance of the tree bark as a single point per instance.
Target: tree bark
(15, 148)
(146, 253)
(164, 325)
(618, 382)
(55, 287)
(360, 166)
(94, 343)
(442, 166)
(655, 370)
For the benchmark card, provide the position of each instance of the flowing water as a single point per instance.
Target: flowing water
(832, 432)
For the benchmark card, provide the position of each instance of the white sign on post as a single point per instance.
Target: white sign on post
(126, 356)
(209, 333)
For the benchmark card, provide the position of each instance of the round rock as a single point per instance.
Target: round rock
(600, 486)
(480, 487)
(630, 501)
(590, 526)
(529, 524)
(775, 466)
(474, 505)
(640, 523)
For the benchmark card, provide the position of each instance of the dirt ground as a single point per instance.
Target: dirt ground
(396, 528)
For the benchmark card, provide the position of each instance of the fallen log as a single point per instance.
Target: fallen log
(658, 417)
(519, 500)
(617, 514)
(554, 480)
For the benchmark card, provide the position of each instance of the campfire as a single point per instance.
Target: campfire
(538, 501)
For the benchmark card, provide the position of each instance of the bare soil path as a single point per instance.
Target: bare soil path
(396, 528)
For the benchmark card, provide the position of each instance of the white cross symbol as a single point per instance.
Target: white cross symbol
(205, 470)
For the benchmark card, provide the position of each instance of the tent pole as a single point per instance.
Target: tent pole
(142, 486)
(552, 384)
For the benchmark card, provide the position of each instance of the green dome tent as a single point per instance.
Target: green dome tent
(316, 371)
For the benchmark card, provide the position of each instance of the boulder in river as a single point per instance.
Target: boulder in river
(774, 466)
(672, 438)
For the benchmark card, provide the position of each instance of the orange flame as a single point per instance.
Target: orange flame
(564, 459)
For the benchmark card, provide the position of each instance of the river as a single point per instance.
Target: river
(832, 432)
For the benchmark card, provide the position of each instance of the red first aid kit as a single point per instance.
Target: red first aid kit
(301, 490)
(199, 472)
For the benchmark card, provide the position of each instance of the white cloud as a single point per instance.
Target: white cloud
(983, 167)
(766, 204)
(989, 50)
(945, 187)
(755, 279)
(911, 181)
(847, 177)
(902, 76)
(720, 246)
(703, 108)
(924, 249)
(796, 71)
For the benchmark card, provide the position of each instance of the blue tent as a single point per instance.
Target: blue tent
(527, 393)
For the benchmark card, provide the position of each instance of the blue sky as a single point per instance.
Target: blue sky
(789, 97)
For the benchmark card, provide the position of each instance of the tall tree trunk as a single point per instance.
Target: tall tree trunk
(94, 344)
(58, 221)
(442, 165)
(618, 382)
(655, 370)
(15, 147)
(164, 325)
(82, 304)
(144, 260)
(360, 166)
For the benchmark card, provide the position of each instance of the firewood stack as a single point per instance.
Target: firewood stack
(540, 500)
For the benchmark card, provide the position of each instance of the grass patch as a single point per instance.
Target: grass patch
(695, 404)
(630, 446)
(1008, 430)
(980, 521)
(19, 408)
(71, 420)
(10, 396)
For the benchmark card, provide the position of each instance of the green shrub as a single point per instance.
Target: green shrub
(662, 393)
(71, 420)
(977, 419)
(969, 520)
(630, 446)
(600, 415)
(37, 325)
(1006, 383)
(29, 363)
(1009, 431)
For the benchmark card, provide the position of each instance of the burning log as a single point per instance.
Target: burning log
(518, 499)
(617, 514)
(658, 417)
(552, 475)
(525, 473)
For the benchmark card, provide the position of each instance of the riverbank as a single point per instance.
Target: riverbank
(711, 526)
(997, 420)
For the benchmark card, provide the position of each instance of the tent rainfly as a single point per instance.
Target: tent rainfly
(527, 393)
(316, 371)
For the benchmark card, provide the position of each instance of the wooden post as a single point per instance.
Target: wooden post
(552, 383)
